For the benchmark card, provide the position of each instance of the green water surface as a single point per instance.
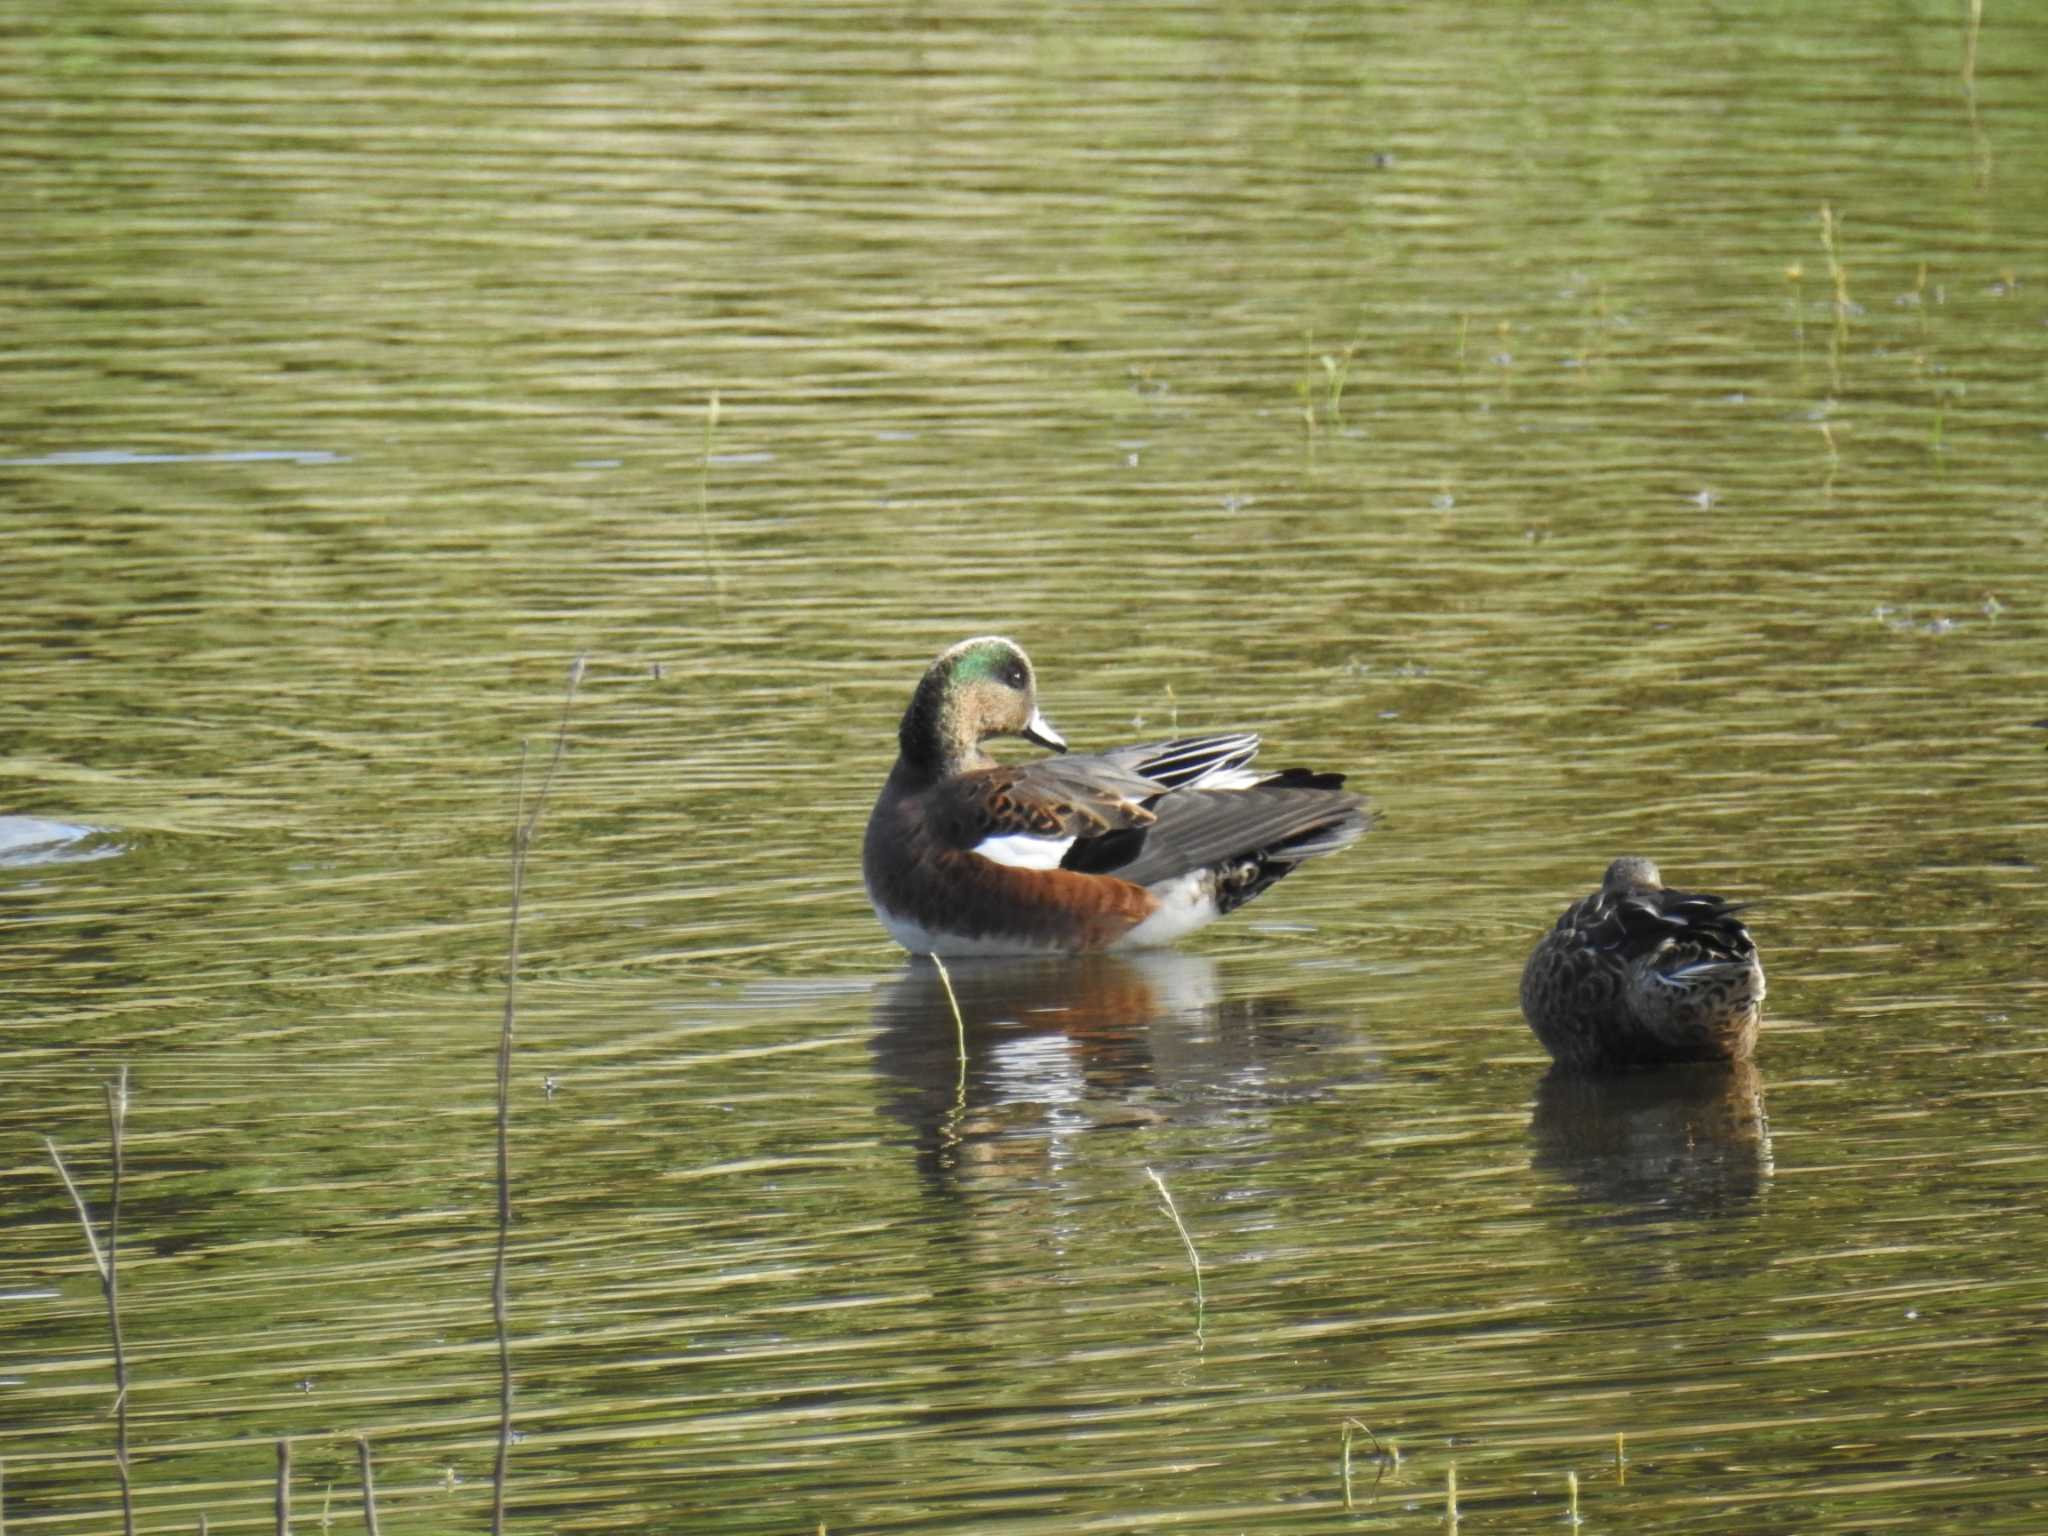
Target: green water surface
(1598, 429)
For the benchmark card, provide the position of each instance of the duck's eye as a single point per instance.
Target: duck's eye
(1013, 674)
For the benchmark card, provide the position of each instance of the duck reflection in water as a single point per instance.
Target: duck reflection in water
(1061, 1045)
(1686, 1140)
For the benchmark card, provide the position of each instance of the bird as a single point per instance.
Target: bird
(1639, 974)
(1130, 848)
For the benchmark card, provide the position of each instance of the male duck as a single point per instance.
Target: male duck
(1122, 849)
(1638, 974)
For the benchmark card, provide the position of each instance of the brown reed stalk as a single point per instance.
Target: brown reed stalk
(284, 1487)
(525, 825)
(107, 1264)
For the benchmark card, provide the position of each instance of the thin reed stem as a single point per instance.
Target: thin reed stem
(117, 1136)
(959, 1024)
(107, 1264)
(525, 825)
(284, 1487)
(1194, 1258)
(1838, 275)
(369, 1485)
(1384, 1457)
(704, 502)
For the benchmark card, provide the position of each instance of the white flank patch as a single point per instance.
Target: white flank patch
(1020, 850)
(1185, 904)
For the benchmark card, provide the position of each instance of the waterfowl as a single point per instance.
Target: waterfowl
(1638, 974)
(1130, 848)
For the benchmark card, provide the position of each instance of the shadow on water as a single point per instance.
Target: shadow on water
(1683, 1141)
(1059, 1046)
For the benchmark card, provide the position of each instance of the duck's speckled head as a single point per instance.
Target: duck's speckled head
(977, 689)
(1631, 875)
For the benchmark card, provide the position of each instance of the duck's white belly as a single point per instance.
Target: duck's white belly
(920, 940)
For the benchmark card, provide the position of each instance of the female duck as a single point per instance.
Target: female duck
(1638, 974)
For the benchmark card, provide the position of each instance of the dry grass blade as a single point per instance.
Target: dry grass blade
(1194, 1258)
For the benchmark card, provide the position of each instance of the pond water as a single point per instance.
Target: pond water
(1616, 429)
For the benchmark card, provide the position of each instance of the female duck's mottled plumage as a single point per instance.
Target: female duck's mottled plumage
(1639, 974)
(1132, 847)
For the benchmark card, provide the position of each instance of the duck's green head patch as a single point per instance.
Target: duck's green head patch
(991, 660)
(980, 688)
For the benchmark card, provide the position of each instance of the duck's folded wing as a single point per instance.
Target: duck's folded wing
(1091, 812)
(1029, 815)
(1288, 819)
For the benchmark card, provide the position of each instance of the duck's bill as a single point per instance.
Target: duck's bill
(1040, 730)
